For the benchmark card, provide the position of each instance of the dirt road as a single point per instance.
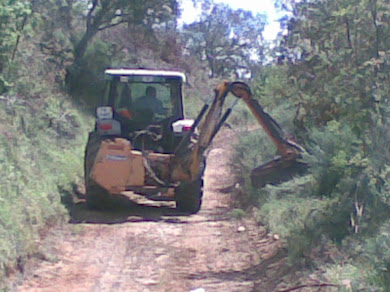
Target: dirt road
(151, 248)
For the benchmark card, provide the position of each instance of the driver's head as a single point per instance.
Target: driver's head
(150, 92)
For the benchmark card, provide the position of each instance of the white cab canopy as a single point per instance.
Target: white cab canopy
(145, 72)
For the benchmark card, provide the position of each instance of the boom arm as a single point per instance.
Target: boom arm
(287, 149)
(187, 162)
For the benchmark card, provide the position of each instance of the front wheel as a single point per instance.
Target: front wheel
(189, 196)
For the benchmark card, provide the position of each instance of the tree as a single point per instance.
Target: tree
(338, 53)
(105, 14)
(13, 19)
(226, 40)
(144, 16)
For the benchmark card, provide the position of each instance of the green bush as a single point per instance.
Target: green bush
(41, 151)
(340, 207)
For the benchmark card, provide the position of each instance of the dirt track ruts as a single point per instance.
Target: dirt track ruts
(149, 247)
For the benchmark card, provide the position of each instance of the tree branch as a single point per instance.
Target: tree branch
(374, 20)
(348, 31)
(95, 3)
(112, 25)
(19, 36)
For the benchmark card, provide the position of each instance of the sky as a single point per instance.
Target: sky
(189, 13)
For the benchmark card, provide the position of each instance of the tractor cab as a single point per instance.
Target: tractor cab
(143, 144)
(145, 106)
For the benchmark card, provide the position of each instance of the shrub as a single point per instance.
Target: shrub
(335, 217)
(41, 150)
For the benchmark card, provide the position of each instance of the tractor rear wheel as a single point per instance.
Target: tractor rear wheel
(189, 196)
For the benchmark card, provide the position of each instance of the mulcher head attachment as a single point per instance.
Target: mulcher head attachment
(277, 171)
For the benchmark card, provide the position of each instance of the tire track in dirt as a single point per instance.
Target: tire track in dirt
(144, 248)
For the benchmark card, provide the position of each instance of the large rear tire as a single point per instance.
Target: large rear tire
(189, 196)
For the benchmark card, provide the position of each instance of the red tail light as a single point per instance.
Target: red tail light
(105, 127)
(186, 128)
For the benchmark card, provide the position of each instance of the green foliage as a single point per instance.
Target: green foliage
(88, 77)
(332, 81)
(285, 208)
(269, 85)
(35, 145)
(337, 151)
(73, 33)
(238, 213)
(13, 20)
(338, 55)
(245, 158)
(42, 136)
(338, 212)
(225, 39)
(145, 15)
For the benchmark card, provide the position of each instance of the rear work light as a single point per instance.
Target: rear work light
(181, 126)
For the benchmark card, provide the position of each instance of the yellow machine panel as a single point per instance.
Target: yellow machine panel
(117, 166)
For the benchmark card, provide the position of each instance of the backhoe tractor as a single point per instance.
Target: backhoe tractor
(143, 143)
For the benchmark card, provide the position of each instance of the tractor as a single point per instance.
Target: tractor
(142, 142)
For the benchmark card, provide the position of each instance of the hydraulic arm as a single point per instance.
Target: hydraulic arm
(281, 168)
(187, 163)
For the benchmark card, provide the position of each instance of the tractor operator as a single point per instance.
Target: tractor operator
(149, 102)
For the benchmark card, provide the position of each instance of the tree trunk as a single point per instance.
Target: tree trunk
(82, 46)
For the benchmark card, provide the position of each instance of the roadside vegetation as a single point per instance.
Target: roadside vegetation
(330, 90)
(42, 133)
(326, 81)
